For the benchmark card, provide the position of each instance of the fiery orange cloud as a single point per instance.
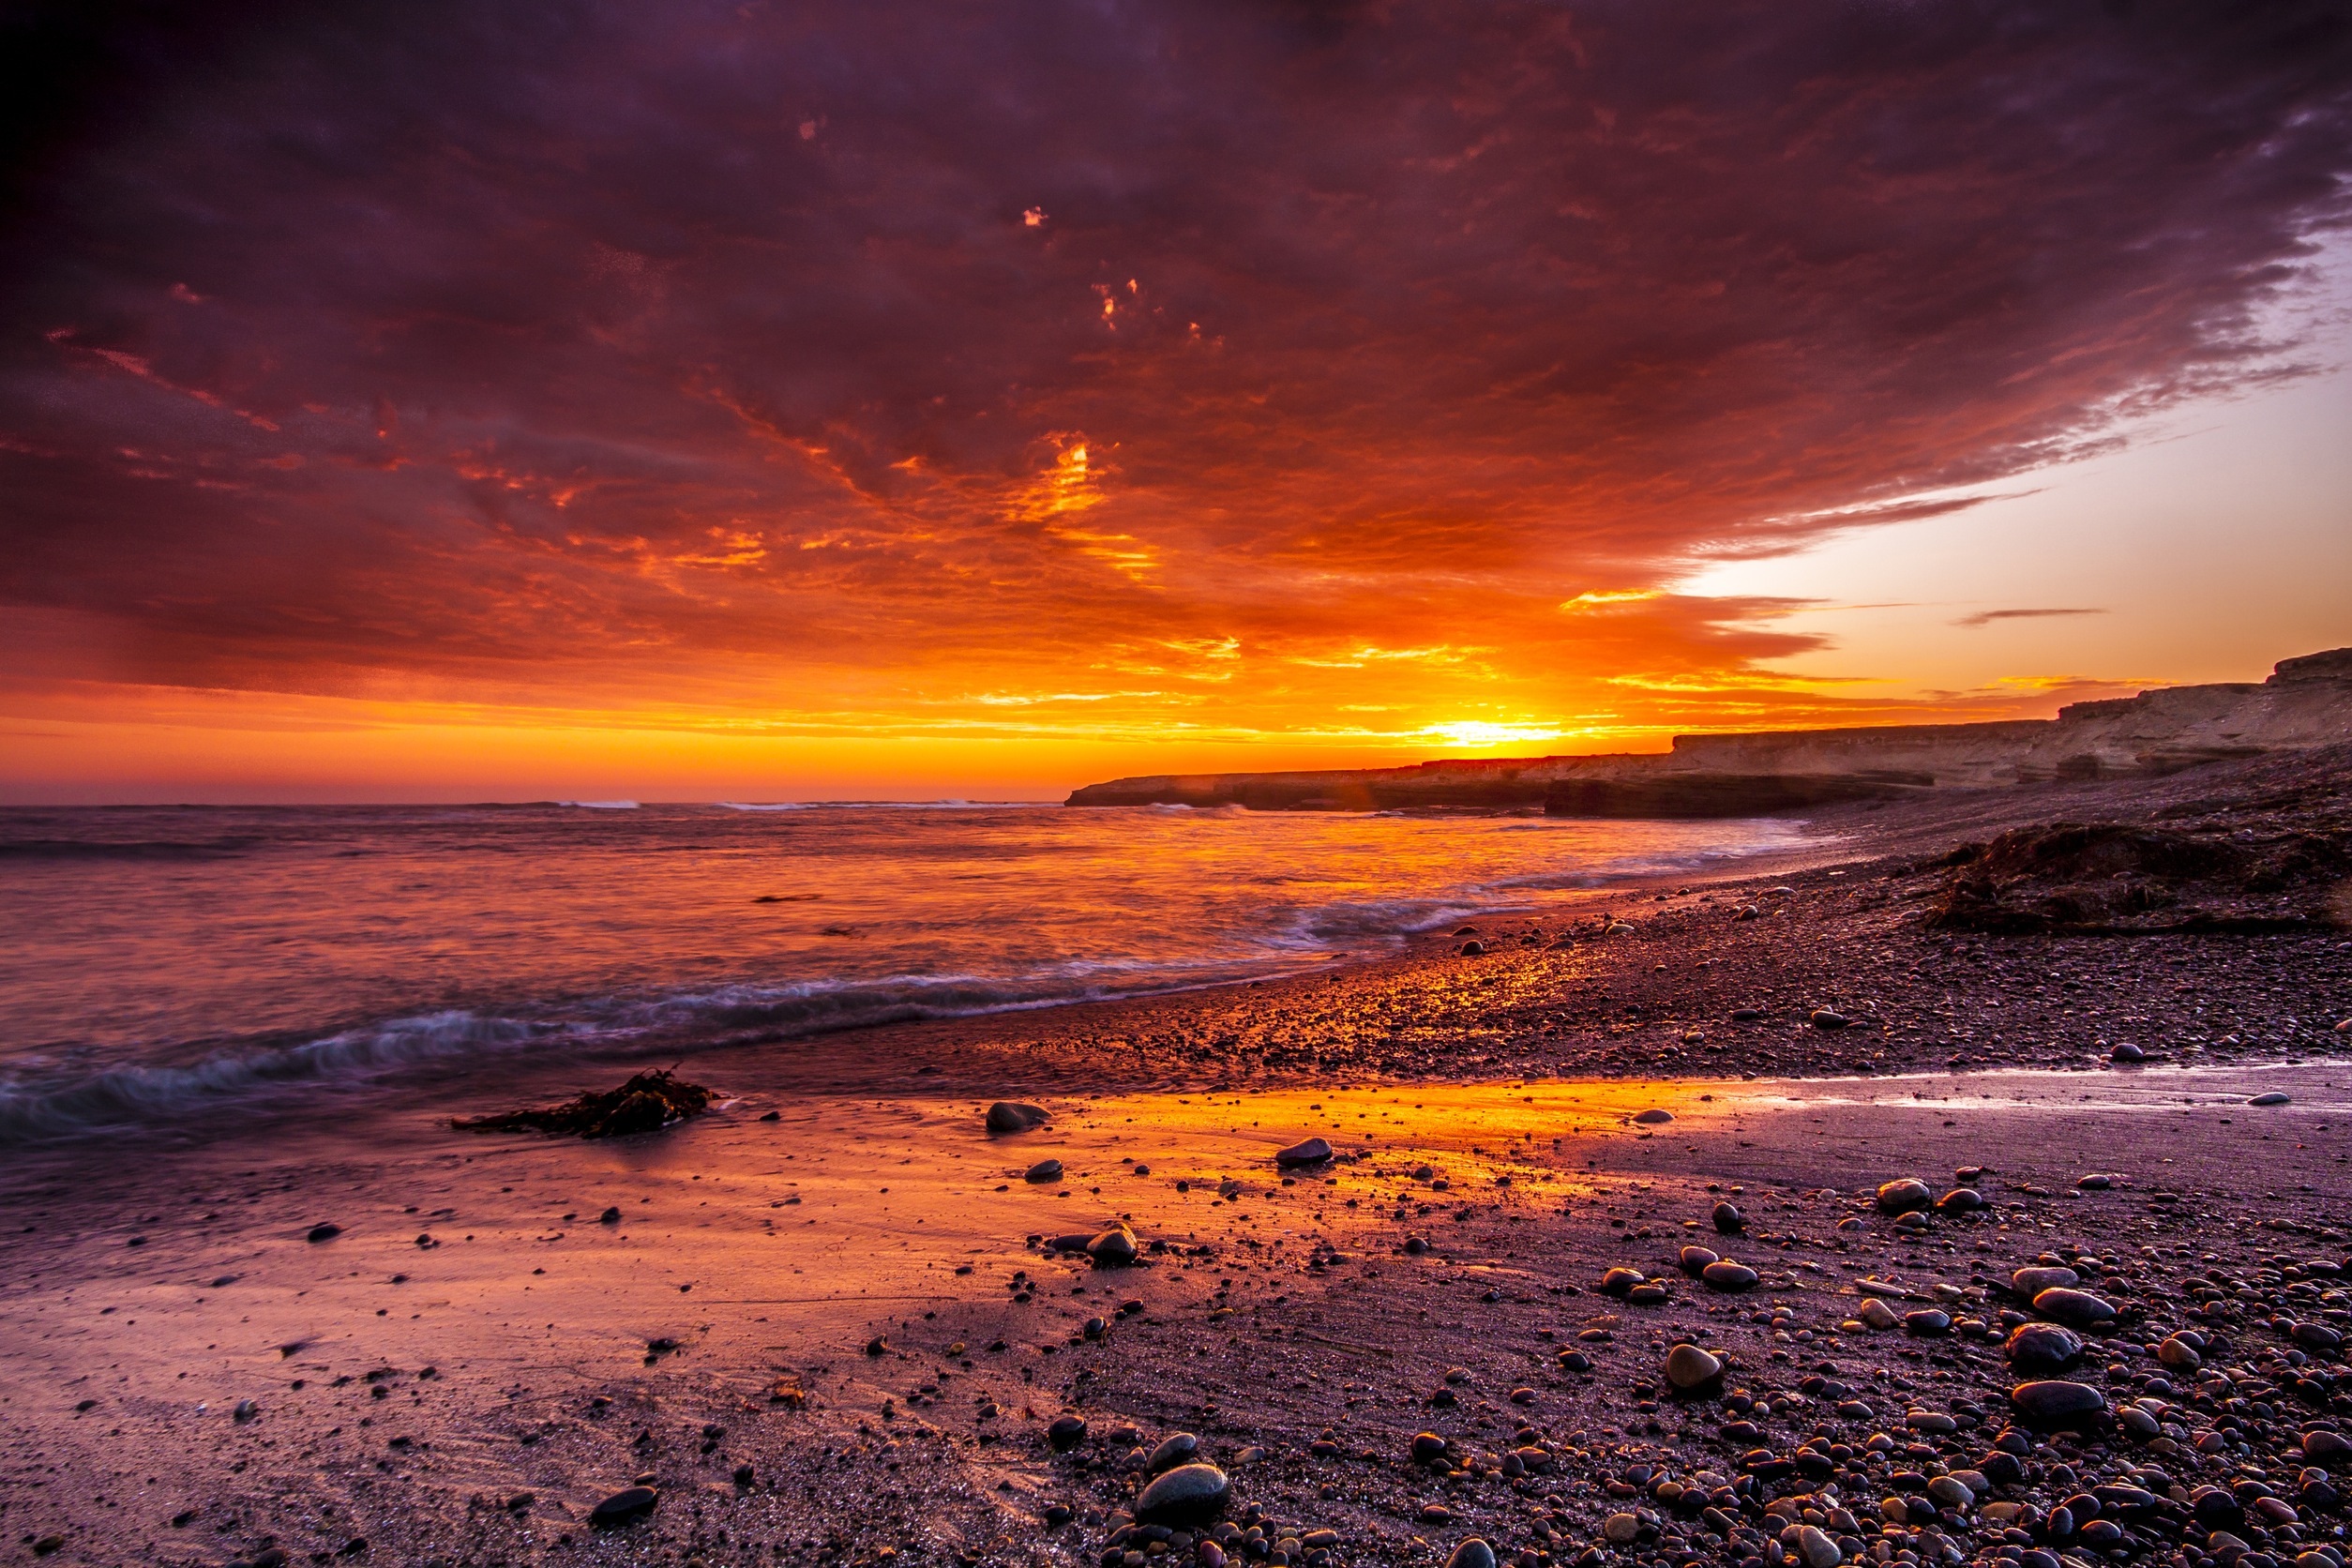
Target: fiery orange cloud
(1299, 382)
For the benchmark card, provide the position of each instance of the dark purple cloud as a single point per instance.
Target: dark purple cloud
(686, 348)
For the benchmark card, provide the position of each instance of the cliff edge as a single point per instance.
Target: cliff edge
(2306, 702)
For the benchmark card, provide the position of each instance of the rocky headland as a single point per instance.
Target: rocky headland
(2306, 702)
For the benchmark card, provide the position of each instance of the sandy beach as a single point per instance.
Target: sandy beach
(828, 1321)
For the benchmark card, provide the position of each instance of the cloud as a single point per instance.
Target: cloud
(1986, 617)
(846, 357)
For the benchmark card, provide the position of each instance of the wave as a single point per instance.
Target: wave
(130, 1095)
(99, 849)
(34, 1109)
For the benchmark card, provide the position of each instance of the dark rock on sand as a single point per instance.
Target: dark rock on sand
(1726, 1274)
(1903, 1194)
(1473, 1553)
(1066, 1431)
(2075, 1308)
(2043, 1347)
(322, 1232)
(1824, 1017)
(625, 1506)
(1012, 1116)
(2032, 1281)
(2058, 1407)
(1115, 1248)
(1694, 1258)
(1187, 1495)
(646, 1103)
(1314, 1151)
(1727, 1220)
(1044, 1170)
(1176, 1448)
(1692, 1371)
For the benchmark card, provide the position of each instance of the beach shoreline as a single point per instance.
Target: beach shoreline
(1480, 1103)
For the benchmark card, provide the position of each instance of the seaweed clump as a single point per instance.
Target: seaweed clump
(647, 1103)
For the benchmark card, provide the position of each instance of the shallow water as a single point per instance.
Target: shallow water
(156, 960)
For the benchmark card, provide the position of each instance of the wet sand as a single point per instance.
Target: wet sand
(444, 1354)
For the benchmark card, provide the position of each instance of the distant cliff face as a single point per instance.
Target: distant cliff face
(2306, 702)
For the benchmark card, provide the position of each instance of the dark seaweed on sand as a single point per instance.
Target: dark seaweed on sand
(648, 1102)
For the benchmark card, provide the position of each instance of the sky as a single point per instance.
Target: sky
(684, 400)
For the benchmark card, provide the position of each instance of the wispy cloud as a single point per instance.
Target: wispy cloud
(1986, 617)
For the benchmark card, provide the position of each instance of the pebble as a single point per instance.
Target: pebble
(1824, 1017)
(1617, 1282)
(1427, 1446)
(1927, 1322)
(2054, 1405)
(1653, 1116)
(1621, 1529)
(1312, 1152)
(1903, 1194)
(2272, 1098)
(1962, 1200)
(624, 1506)
(1694, 1258)
(1877, 1314)
(1044, 1170)
(2094, 1183)
(1727, 1220)
(1187, 1495)
(2127, 1052)
(2327, 1448)
(2030, 1282)
(1819, 1549)
(1473, 1553)
(2075, 1308)
(1176, 1448)
(1115, 1248)
(2043, 1347)
(1014, 1115)
(323, 1233)
(1691, 1369)
(1066, 1431)
(1725, 1274)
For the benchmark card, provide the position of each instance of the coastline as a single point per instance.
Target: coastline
(1526, 1062)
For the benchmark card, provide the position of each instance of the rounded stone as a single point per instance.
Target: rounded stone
(1187, 1495)
(1067, 1432)
(1819, 1550)
(1903, 1194)
(1176, 1448)
(2075, 1308)
(1115, 1248)
(1824, 1017)
(2331, 1449)
(2177, 1352)
(2127, 1052)
(1619, 1282)
(1727, 1220)
(1927, 1322)
(2043, 1347)
(1014, 1115)
(1044, 1170)
(1427, 1446)
(1725, 1274)
(1621, 1529)
(1696, 1258)
(1962, 1200)
(1473, 1553)
(624, 1506)
(1653, 1116)
(1691, 1370)
(2272, 1098)
(2032, 1280)
(2054, 1405)
(1314, 1151)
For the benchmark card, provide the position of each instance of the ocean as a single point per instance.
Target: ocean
(161, 962)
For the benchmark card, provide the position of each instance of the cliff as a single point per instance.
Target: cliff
(2306, 702)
